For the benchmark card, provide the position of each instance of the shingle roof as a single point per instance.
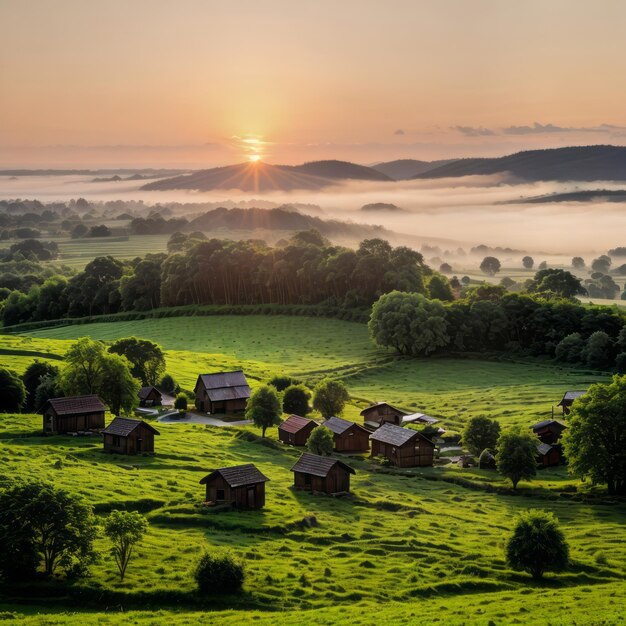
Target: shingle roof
(419, 417)
(144, 392)
(238, 475)
(570, 396)
(75, 405)
(123, 426)
(394, 435)
(339, 426)
(318, 465)
(544, 423)
(226, 386)
(543, 448)
(373, 406)
(295, 423)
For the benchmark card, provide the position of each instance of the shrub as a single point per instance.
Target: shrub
(181, 402)
(217, 574)
(296, 400)
(280, 383)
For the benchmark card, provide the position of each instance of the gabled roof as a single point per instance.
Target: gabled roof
(373, 406)
(340, 426)
(123, 426)
(570, 396)
(144, 392)
(396, 435)
(76, 405)
(544, 423)
(238, 475)
(421, 418)
(318, 465)
(295, 423)
(225, 386)
(543, 448)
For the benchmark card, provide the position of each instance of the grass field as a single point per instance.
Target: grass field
(420, 546)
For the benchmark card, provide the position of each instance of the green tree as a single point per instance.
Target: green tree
(281, 382)
(439, 289)
(595, 438)
(490, 265)
(516, 453)
(528, 262)
(168, 384)
(330, 397)
(146, 357)
(124, 529)
(44, 524)
(537, 544)
(264, 408)
(558, 282)
(570, 348)
(480, 433)
(219, 574)
(12, 391)
(409, 323)
(181, 402)
(296, 400)
(32, 378)
(599, 351)
(49, 387)
(83, 370)
(601, 264)
(118, 388)
(320, 441)
(578, 263)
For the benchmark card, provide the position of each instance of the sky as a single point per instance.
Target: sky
(199, 83)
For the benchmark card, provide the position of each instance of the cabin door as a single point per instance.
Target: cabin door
(138, 445)
(251, 497)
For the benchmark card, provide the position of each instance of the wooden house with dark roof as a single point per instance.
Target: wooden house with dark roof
(150, 396)
(403, 447)
(568, 399)
(73, 414)
(322, 474)
(549, 431)
(241, 486)
(382, 413)
(548, 455)
(296, 430)
(348, 436)
(129, 436)
(222, 392)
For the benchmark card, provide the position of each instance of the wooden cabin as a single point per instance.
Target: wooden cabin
(296, 430)
(129, 436)
(382, 413)
(568, 399)
(241, 486)
(223, 392)
(73, 414)
(150, 396)
(548, 455)
(549, 431)
(348, 436)
(403, 447)
(321, 474)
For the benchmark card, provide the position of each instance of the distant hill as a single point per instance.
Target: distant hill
(278, 219)
(585, 195)
(265, 177)
(582, 163)
(382, 206)
(404, 169)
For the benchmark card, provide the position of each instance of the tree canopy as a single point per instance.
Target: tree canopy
(12, 391)
(480, 433)
(320, 441)
(264, 408)
(330, 397)
(516, 453)
(146, 357)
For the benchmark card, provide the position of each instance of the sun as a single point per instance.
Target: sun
(255, 158)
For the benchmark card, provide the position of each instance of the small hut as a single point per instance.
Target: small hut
(568, 399)
(348, 436)
(381, 413)
(296, 430)
(73, 414)
(129, 436)
(321, 474)
(241, 486)
(403, 447)
(223, 392)
(150, 396)
(548, 455)
(549, 431)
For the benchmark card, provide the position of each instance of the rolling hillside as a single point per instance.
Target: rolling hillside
(403, 169)
(582, 163)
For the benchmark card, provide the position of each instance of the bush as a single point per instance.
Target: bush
(280, 383)
(181, 402)
(296, 400)
(218, 574)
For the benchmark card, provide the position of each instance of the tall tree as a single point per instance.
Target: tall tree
(118, 388)
(264, 408)
(32, 378)
(320, 441)
(124, 529)
(516, 453)
(490, 265)
(330, 397)
(12, 391)
(480, 433)
(83, 371)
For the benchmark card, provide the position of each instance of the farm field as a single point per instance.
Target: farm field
(419, 546)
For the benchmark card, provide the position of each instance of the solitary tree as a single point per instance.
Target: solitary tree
(296, 400)
(578, 263)
(330, 397)
(12, 391)
(124, 529)
(528, 262)
(490, 266)
(264, 408)
(515, 455)
(537, 544)
(595, 439)
(479, 433)
(320, 441)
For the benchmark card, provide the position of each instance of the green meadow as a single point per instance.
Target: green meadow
(417, 546)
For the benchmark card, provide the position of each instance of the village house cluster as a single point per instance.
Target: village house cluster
(383, 434)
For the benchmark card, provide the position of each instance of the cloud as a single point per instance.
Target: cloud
(399, 132)
(475, 131)
(541, 129)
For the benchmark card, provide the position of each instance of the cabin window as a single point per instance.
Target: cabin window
(307, 480)
(220, 495)
(117, 442)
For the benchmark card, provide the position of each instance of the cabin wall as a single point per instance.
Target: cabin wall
(245, 496)
(337, 481)
(352, 440)
(153, 399)
(412, 454)
(296, 439)
(60, 424)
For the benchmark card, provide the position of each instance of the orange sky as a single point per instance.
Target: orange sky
(163, 83)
